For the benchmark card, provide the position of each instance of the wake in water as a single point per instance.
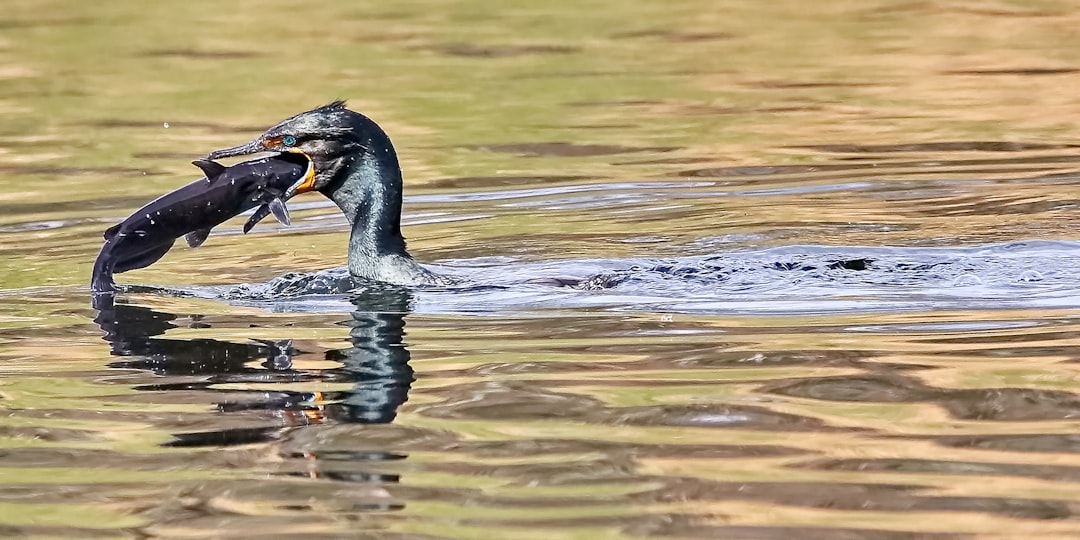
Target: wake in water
(784, 280)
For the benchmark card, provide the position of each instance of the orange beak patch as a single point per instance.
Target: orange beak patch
(308, 182)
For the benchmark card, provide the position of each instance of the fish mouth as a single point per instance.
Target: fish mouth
(305, 183)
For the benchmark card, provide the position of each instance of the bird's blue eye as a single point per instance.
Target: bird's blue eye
(288, 140)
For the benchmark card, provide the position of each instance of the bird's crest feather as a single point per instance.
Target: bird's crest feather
(336, 105)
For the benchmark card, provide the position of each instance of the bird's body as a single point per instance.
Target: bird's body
(192, 210)
(357, 168)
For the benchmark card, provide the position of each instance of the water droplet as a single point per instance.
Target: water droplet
(141, 233)
(1031, 275)
(967, 280)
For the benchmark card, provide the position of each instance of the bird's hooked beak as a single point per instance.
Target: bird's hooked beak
(303, 185)
(253, 147)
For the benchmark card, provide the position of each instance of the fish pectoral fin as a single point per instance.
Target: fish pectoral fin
(210, 168)
(280, 211)
(276, 207)
(258, 216)
(196, 238)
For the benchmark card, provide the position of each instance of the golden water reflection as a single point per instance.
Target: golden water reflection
(541, 132)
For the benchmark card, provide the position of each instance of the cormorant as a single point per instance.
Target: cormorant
(357, 168)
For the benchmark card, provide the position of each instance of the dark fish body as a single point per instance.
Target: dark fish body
(192, 210)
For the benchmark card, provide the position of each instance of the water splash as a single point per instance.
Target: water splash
(784, 280)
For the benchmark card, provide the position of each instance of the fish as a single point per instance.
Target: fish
(193, 210)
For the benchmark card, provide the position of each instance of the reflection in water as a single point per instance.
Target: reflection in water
(376, 365)
(762, 394)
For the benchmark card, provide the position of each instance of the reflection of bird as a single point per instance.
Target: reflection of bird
(375, 367)
(357, 168)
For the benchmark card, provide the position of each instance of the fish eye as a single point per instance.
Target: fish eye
(288, 140)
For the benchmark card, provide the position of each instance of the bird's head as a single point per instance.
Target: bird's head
(323, 134)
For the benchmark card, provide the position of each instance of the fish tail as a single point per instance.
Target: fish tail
(102, 280)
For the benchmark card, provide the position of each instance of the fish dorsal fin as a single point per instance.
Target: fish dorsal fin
(196, 238)
(280, 211)
(210, 168)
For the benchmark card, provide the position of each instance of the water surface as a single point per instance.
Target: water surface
(825, 259)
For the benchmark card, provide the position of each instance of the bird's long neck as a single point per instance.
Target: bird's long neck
(368, 192)
(370, 197)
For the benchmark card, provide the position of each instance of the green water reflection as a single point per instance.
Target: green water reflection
(835, 123)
